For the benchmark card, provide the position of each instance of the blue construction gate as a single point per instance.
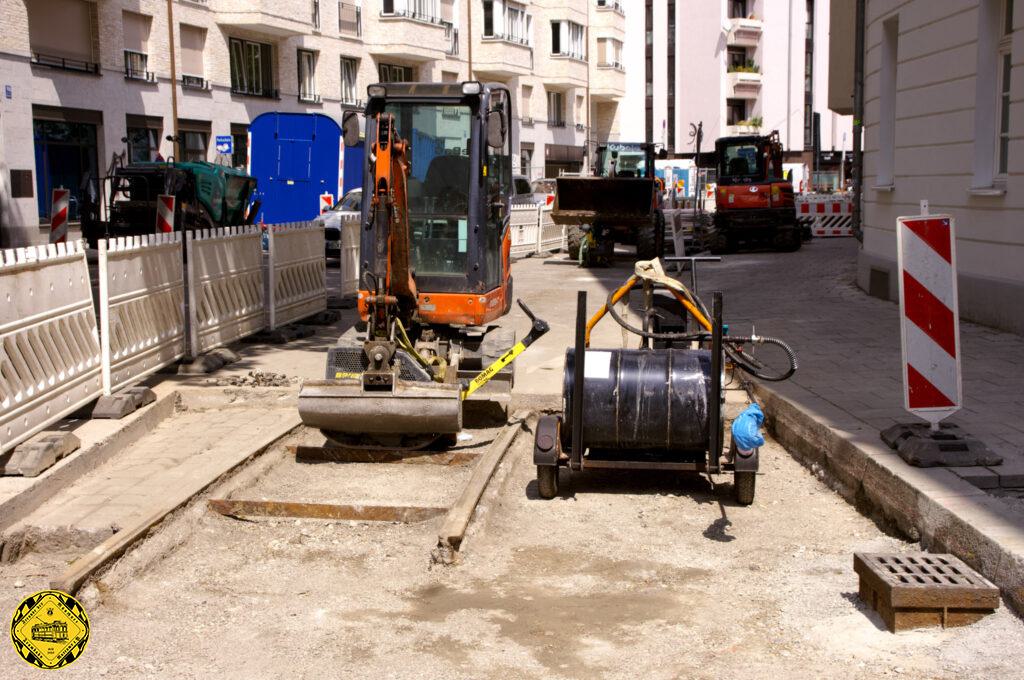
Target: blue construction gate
(295, 158)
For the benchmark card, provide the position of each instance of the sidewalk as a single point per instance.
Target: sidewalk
(848, 345)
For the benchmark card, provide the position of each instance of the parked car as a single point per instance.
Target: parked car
(543, 190)
(350, 207)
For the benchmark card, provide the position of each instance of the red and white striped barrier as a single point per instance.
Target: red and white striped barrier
(827, 215)
(164, 214)
(59, 215)
(326, 202)
(341, 167)
(929, 316)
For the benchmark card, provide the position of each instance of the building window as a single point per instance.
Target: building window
(251, 68)
(349, 76)
(556, 109)
(609, 52)
(887, 101)
(136, 42)
(392, 73)
(193, 43)
(195, 144)
(735, 111)
(143, 144)
(240, 146)
(1003, 107)
(350, 19)
(307, 76)
(567, 39)
(316, 15)
(738, 9)
(488, 18)
(68, 44)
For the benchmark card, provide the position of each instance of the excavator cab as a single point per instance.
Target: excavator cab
(434, 270)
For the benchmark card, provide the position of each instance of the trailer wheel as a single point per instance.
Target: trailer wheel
(719, 243)
(547, 481)
(573, 240)
(650, 238)
(743, 483)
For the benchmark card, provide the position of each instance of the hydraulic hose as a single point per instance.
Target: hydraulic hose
(742, 361)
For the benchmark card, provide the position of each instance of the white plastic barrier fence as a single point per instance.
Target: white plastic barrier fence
(50, 363)
(349, 264)
(296, 272)
(551, 237)
(533, 230)
(524, 223)
(225, 286)
(827, 215)
(142, 306)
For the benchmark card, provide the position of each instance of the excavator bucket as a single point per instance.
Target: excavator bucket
(346, 407)
(343, 407)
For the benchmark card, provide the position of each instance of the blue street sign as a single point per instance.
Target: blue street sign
(225, 144)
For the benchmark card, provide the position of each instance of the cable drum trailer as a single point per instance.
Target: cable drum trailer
(658, 407)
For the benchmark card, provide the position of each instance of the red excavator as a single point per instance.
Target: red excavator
(434, 270)
(754, 203)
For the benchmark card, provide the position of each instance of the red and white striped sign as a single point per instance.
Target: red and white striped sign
(930, 319)
(341, 167)
(326, 203)
(59, 215)
(164, 214)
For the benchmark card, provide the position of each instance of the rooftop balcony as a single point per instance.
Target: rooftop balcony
(745, 32)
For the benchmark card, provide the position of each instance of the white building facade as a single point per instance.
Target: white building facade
(83, 80)
(737, 67)
(944, 122)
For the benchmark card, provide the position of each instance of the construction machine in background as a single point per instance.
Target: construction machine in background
(206, 195)
(754, 202)
(619, 204)
(434, 270)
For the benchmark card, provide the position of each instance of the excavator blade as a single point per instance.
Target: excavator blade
(343, 406)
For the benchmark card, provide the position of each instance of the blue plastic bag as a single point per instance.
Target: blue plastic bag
(746, 429)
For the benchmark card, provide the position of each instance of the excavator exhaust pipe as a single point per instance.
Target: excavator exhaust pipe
(409, 408)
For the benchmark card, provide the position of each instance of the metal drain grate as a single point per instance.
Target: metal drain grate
(920, 589)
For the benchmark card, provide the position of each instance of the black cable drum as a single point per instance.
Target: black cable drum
(642, 400)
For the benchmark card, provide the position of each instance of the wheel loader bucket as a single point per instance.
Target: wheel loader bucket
(410, 407)
(612, 200)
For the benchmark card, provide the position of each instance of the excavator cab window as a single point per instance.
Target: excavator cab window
(499, 186)
(742, 161)
(438, 185)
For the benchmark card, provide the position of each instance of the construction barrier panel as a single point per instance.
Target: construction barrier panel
(551, 236)
(50, 363)
(142, 307)
(524, 225)
(826, 215)
(226, 299)
(349, 264)
(297, 272)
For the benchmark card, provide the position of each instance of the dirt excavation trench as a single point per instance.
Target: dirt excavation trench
(622, 576)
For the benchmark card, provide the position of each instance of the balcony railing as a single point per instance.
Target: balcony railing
(310, 98)
(580, 127)
(614, 5)
(556, 123)
(194, 82)
(66, 64)
(254, 92)
(352, 103)
(415, 15)
(514, 39)
(611, 64)
(350, 19)
(526, 121)
(135, 64)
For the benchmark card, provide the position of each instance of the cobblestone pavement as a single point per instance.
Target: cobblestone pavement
(849, 347)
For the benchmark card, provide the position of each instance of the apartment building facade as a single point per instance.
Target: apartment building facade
(84, 80)
(944, 122)
(737, 67)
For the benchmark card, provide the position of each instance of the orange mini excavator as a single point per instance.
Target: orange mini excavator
(434, 270)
